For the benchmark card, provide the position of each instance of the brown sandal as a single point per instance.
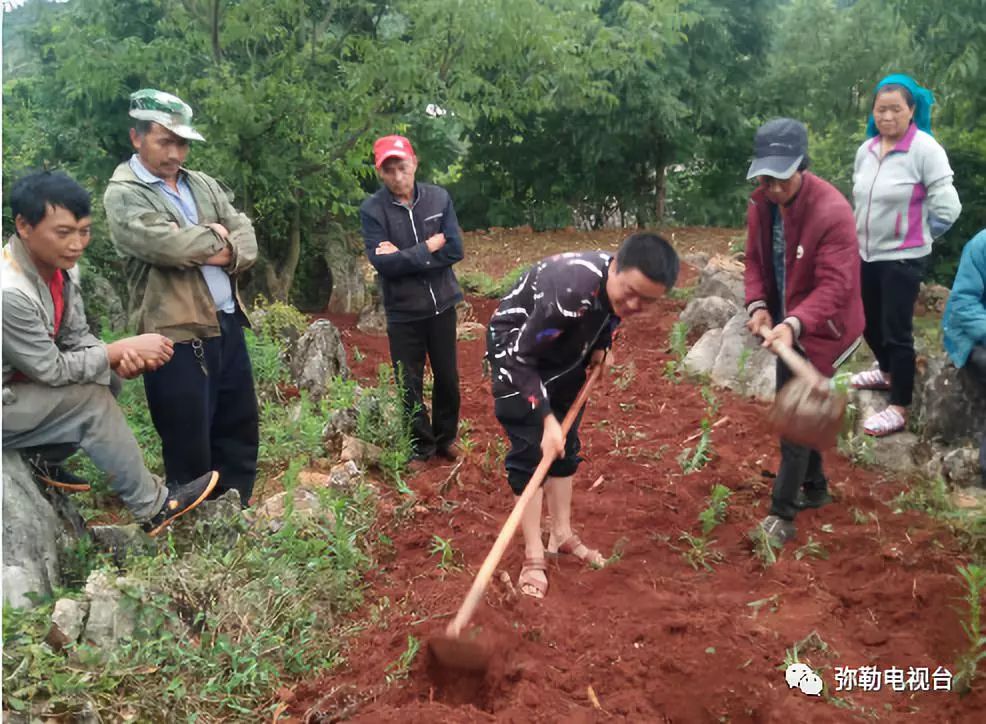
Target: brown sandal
(533, 565)
(573, 546)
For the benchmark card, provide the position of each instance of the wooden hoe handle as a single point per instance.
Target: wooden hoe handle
(482, 579)
(795, 362)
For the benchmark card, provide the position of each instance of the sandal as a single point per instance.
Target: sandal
(884, 423)
(870, 380)
(575, 547)
(526, 578)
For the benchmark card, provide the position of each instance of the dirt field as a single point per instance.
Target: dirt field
(649, 638)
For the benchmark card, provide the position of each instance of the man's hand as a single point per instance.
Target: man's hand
(385, 247)
(130, 365)
(221, 230)
(153, 350)
(435, 243)
(759, 319)
(552, 441)
(602, 357)
(781, 333)
(221, 258)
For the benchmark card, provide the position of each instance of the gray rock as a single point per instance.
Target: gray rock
(112, 615)
(722, 277)
(341, 423)
(272, 511)
(33, 536)
(372, 318)
(318, 357)
(122, 541)
(705, 313)
(866, 403)
(961, 467)
(896, 452)
(351, 276)
(67, 622)
(719, 353)
(361, 452)
(345, 477)
(949, 404)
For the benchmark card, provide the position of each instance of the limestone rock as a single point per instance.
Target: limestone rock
(950, 403)
(272, 511)
(345, 477)
(697, 259)
(33, 536)
(359, 451)
(67, 622)
(961, 467)
(720, 354)
(372, 318)
(705, 313)
(112, 615)
(896, 452)
(318, 357)
(722, 277)
(104, 309)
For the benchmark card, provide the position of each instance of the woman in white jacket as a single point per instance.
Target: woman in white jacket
(904, 199)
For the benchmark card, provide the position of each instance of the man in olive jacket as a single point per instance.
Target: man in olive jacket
(185, 246)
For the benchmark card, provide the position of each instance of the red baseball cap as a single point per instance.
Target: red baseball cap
(391, 147)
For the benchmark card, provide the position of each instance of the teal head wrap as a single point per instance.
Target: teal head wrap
(923, 100)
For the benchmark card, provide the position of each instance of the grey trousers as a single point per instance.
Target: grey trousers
(56, 421)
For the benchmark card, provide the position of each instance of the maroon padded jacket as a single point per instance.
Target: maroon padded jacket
(822, 288)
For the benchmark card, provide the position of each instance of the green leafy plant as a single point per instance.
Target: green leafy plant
(764, 549)
(974, 578)
(446, 553)
(698, 553)
(812, 548)
(402, 667)
(715, 512)
(694, 460)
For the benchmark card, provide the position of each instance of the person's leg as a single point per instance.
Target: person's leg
(85, 416)
(871, 283)
(235, 425)
(791, 475)
(976, 365)
(902, 282)
(444, 366)
(524, 429)
(179, 398)
(408, 345)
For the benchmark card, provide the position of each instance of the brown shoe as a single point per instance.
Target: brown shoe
(452, 453)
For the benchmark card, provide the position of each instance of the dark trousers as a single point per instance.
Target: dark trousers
(890, 289)
(801, 467)
(976, 365)
(410, 343)
(208, 421)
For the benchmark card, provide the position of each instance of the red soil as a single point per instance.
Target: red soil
(654, 639)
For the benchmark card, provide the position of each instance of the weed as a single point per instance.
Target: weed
(694, 461)
(382, 420)
(743, 370)
(929, 496)
(812, 548)
(358, 356)
(627, 373)
(615, 555)
(698, 553)
(402, 667)
(711, 401)
(763, 548)
(678, 342)
(715, 513)
(681, 293)
(443, 548)
(858, 516)
(465, 438)
(484, 285)
(974, 578)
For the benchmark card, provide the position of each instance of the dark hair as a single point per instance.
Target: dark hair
(652, 255)
(805, 162)
(142, 128)
(890, 88)
(33, 193)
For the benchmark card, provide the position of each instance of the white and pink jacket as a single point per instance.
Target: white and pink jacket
(905, 200)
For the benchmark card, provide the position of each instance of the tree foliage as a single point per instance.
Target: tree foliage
(544, 112)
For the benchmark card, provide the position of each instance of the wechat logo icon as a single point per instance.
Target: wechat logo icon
(801, 676)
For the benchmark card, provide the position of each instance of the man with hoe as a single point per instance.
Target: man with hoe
(185, 246)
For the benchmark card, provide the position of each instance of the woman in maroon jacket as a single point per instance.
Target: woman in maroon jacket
(802, 283)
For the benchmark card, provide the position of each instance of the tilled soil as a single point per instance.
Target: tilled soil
(649, 638)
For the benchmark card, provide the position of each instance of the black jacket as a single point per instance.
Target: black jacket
(416, 284)
(549, 324)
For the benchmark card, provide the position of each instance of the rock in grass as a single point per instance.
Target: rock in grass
(67, 622)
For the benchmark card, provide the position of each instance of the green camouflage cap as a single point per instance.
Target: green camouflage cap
(170, 111)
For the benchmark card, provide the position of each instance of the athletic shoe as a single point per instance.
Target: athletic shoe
(180, 500)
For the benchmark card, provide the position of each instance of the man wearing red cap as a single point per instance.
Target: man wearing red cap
(412, 239)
